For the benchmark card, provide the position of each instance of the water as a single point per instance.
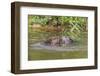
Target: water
(71, 47)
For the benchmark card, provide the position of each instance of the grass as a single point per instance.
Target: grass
(47, 55)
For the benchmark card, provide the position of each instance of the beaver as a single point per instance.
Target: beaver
(58, 41)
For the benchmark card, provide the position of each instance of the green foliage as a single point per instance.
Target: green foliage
(72, 26)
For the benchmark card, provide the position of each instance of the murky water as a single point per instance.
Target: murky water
(71, 47)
